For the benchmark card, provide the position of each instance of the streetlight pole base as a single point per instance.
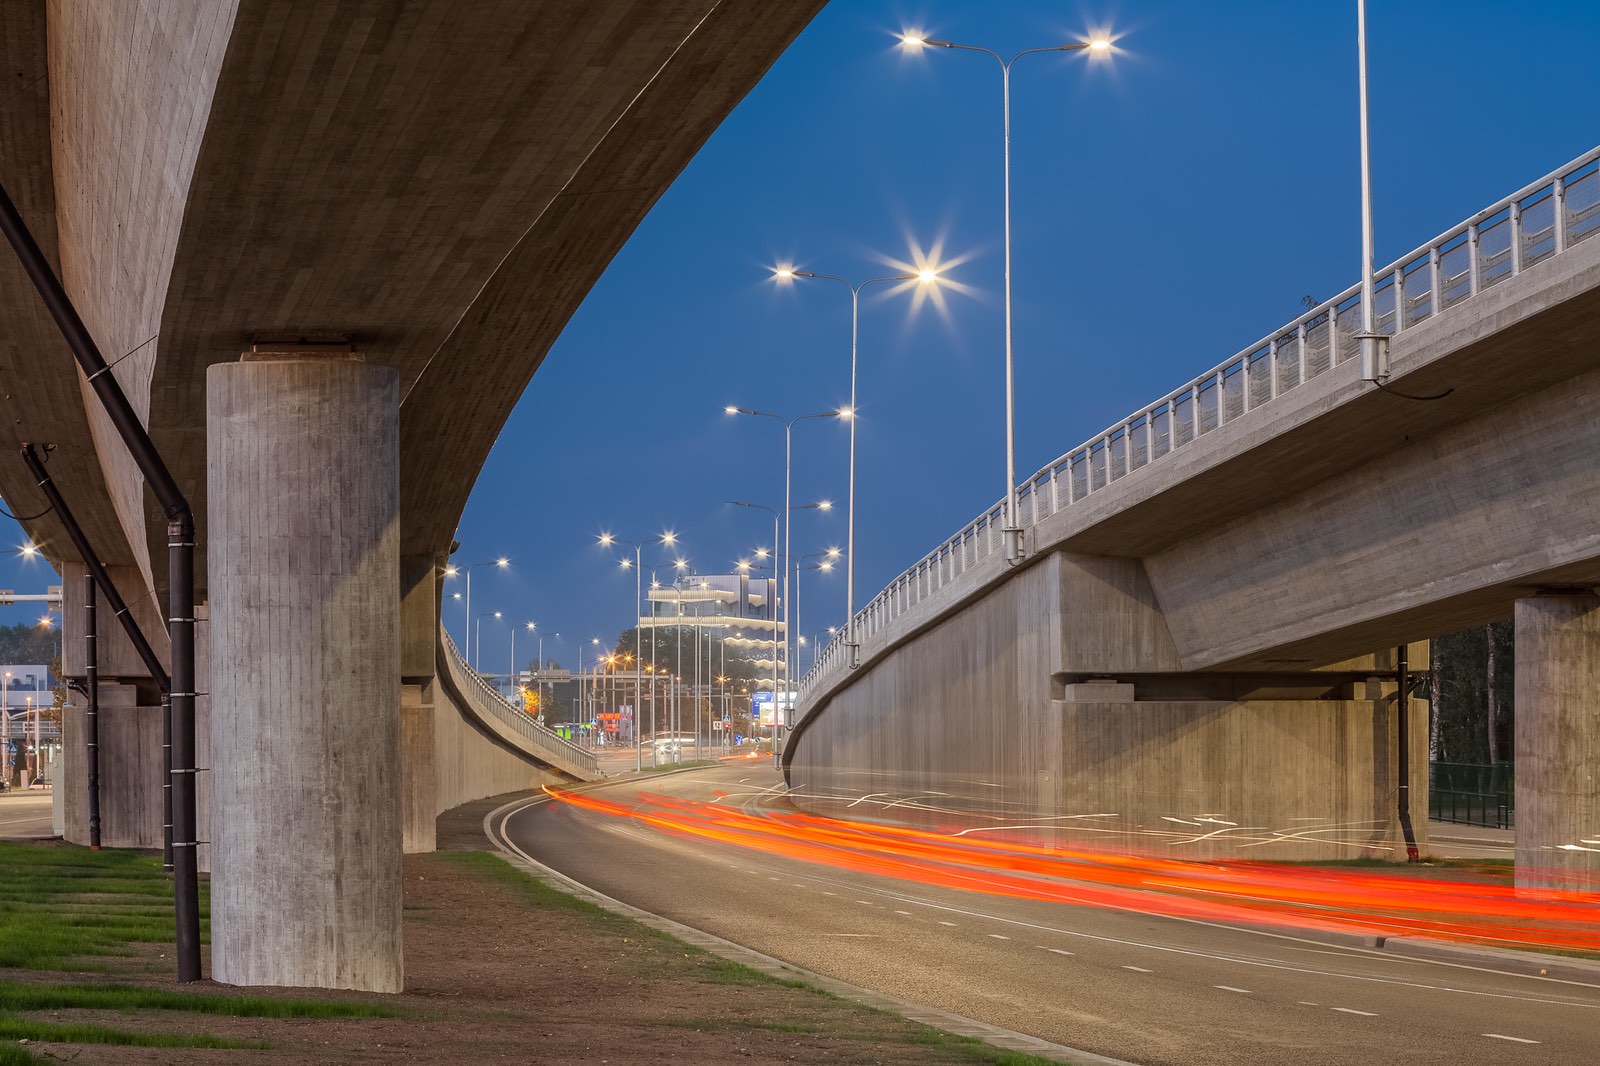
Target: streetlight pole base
(852, 654)
(1374, 357)
(1013, 541)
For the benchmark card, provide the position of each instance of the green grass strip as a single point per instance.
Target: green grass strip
(12, 1055)
(15, 996)
(21, 1029)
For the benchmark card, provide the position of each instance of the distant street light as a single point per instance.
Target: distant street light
(828, 558)
(516, 674)
(1098, 45)
(821, 505)
(451, 571)
(670, 540)
(788, 471)
(478, 640)
(852, 412)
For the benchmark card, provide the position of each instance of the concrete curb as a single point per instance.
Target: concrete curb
(994, 1035)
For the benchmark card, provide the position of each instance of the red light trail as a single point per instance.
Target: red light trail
(1358, 901)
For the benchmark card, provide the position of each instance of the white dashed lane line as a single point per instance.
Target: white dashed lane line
(1057, 951)
(997, 936)
(1230, 988)
(907, 914)
(1352, 1010)
(1513, 1039)
(950, 924)
(1138, 969)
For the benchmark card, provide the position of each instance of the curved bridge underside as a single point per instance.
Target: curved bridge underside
(438, 183)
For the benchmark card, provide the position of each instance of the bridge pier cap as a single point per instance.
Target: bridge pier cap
(303, 486)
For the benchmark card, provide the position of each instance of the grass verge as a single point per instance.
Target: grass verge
(686, 960)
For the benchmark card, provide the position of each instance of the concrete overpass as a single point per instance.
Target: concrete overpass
(312, 238)
(1187, 653)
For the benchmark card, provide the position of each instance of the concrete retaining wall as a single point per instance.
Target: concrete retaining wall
(977, 721)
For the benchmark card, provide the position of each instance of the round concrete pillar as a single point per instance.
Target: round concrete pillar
(1558, 741)
(302, 464)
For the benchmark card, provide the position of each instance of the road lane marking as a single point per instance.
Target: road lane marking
(999, 936)
(1239, 959)
(1057, 951)
(1515, 1039)
(1138, 969)
(908, 914)
(1352, 1010)
(1308, 1003)
(950, 924)
(1230, 988)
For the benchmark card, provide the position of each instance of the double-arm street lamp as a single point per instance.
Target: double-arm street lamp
(452, 571)
(789, 274)
(788, 472)
(1013, 525)
(826, 560)
(608, 541)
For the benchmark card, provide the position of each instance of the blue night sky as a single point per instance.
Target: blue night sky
(1172, 204)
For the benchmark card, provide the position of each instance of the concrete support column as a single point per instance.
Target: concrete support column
(419, 768)
(303, 490)
(1558, 741)
(130, 770)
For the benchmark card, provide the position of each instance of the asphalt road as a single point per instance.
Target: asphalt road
(1144, 988)
(25, 814)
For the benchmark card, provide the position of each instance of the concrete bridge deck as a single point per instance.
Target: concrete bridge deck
(1253, 537)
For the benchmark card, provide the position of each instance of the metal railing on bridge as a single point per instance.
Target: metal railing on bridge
(541, 741)
(1536, 223)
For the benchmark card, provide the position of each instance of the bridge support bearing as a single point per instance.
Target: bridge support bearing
(1558, 741)
(303, 484)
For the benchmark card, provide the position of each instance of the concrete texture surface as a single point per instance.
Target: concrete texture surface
(1558, 741)
(304, 471)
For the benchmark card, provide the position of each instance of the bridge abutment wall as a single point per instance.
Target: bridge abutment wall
(1055, 700)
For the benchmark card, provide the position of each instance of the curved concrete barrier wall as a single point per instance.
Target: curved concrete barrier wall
(507, 723)
(968, 724)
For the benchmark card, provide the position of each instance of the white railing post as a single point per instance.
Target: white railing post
(1514, 220)
(1558, 206)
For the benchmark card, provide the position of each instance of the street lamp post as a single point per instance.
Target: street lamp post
(516, 674)
(926, 277)
(478, 639)
(451, 571)
(1374, 345)
(826, 566)
(788, 472)
(1013, 527)
(820, 505)
(38, 753)
(669, 539)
